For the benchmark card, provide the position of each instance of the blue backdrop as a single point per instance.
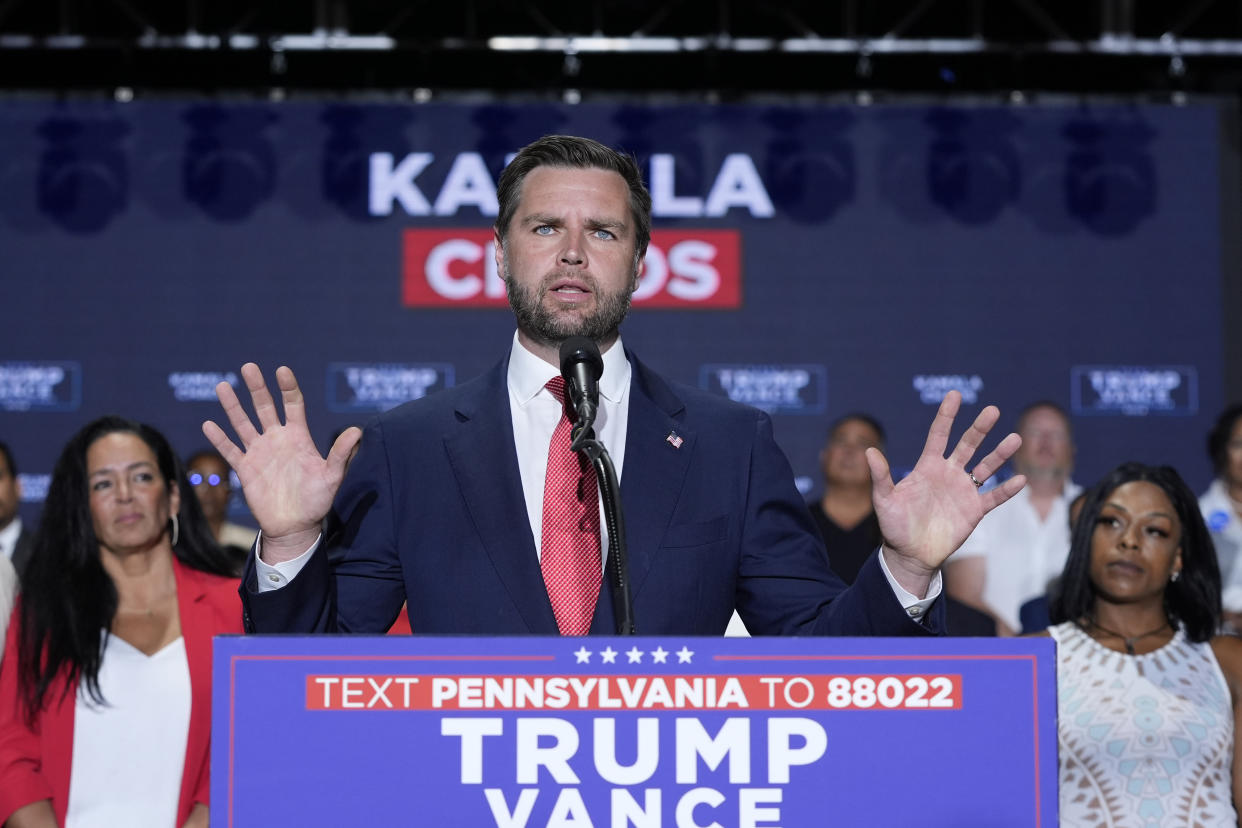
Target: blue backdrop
(813, 259)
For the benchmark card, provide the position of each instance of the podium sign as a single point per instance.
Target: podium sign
(641, 732)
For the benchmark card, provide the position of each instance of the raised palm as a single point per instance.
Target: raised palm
(288, 485)
(930, 513)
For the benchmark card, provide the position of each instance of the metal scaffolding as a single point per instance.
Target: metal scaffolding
(721, 46)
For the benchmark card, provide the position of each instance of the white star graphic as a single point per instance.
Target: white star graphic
(684, 655)
(659, 655)
(583, 655)
(609, 655)
(635, 655)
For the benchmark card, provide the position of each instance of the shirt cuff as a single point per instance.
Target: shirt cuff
(914, 606)
(274, 576)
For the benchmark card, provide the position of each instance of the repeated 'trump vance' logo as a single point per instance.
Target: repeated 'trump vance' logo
(933, 387)
(40, 386)
(788, 389)
(379, 387)
(34, 486)
(1134, 390)
(199, 386)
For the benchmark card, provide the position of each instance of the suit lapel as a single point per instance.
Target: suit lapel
(484, 460)
(654, 468)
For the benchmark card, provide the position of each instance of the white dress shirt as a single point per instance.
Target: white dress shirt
(9, 536)
(535, 413)
(1024, 552)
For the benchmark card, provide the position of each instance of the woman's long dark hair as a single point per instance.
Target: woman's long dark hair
(1192, 601)
(67, 598)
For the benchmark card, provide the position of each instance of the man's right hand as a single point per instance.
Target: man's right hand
(288, 486)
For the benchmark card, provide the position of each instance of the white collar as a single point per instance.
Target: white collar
(528, 374)
(9, 535)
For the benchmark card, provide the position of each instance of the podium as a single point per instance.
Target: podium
(633, 732)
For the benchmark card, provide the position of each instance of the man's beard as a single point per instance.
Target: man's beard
(542, 325)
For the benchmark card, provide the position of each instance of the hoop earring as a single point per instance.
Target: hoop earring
(176, 530)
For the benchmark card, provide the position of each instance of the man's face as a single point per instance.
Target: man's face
(843, 458)
(1047, 449)
(568, 259)
(10, 493)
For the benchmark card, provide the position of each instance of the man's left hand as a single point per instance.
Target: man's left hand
(931, 512)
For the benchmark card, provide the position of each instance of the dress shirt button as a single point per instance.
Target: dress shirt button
(274, 578)
(915, 612)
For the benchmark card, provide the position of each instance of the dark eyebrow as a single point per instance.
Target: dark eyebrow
(539, 219)
(606, 224)
(1121, 508)
(130, 467)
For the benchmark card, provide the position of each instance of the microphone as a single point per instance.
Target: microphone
(581, 366)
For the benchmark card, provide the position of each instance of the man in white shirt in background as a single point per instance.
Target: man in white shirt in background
(15, 543)
(1021, 546)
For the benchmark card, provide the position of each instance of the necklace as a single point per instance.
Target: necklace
(1128, 640)
(148, 612)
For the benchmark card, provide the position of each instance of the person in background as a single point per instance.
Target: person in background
(210, 477)
(1221, 506)
(105, 687)
(1018, 549)
(15, 542)
(1147, 693)
(1034, 614)
(844, 513)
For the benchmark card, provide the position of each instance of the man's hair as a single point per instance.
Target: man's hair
(8, 458)
(570, 152)
(1192, 601)
(1218, 438)
(1051, 406)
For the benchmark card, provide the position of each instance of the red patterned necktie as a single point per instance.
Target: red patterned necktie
(569, 551)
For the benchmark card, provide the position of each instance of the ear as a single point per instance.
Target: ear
(639, 269)
(1177, 561)
(499, 247)
(174, 498)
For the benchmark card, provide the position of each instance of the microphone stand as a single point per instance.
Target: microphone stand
(618, 564)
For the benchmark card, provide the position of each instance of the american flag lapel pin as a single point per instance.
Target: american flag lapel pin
(674, 439)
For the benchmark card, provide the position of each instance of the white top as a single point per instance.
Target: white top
(1226, 529)
(9, 536)
(1023, 551)
(8, 590)
(129, 754)
(1144, 741)
(535, 413)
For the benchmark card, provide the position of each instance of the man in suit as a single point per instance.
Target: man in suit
(452, 502)
(16, 543)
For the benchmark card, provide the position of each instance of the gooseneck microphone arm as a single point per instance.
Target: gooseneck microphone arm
(581, 366)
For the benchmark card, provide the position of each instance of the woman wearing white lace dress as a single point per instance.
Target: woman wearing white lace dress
(1147, 693)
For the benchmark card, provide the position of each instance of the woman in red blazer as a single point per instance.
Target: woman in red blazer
(123, 548)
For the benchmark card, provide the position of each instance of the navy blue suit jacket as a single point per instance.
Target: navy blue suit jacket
(432, 512)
